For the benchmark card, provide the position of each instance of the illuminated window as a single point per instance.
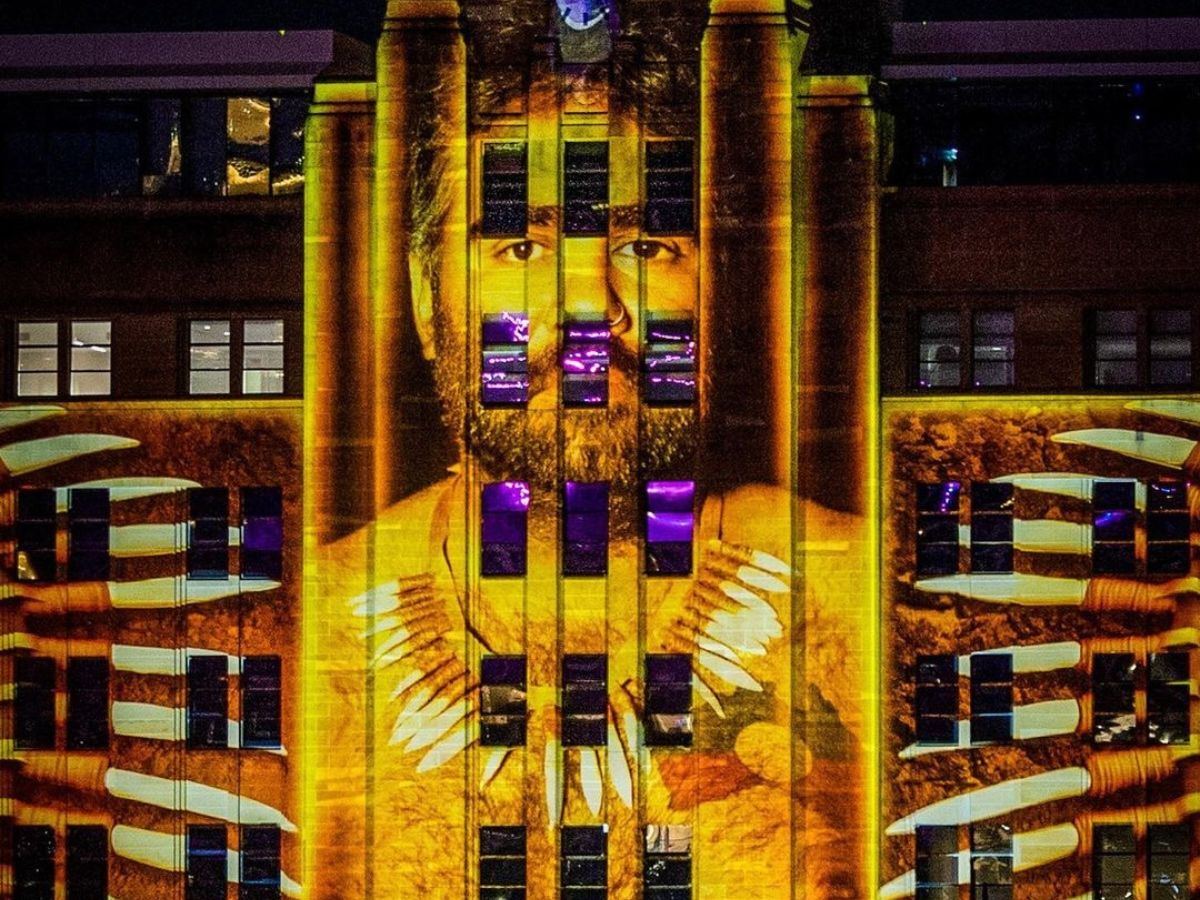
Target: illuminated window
(208, 535)
(1114, 521)
(87, 702)
(1114, 860)
(259, 851)
(248, 151)
(37, 531)
(206, 863)
(584, 700)
(1168, 528)
(937, 528)
(1113, 717)
(1168, 858)
(670, 522)
(991, 697)
(208, 357)
(940, 350)
(502, 701)
(87, 547)
(505, 371)
(994, 349)
(937, 699)
(262, 356)
(505, 189)
(262, 708)
(37, 359)
(91, 359)
(503, 535)
(991, 527)
(259, 345)
(1168, 699)
(1115, 348)
(670, 187)
(1170, 347)
(669, 362)
(991, 862)
(585, 528)
(33, 710)
(585, 187)
(585, 363)
(33, 862)
(208, 701)
(501, 862)
(668, 873)
(87, 862)
(583, 859)
(668, 700)
(937, 862)
(262, 533)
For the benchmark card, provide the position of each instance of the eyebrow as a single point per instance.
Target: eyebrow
(548, 216)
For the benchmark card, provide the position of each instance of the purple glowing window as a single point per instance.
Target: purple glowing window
(585, 364)
(668, 710)
(585, 528)
(669, 525)
(504, 378)
(669, 363)
(505, 513)
(262, 533)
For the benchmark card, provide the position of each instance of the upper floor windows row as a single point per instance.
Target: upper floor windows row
(669, 188)
(151, 146)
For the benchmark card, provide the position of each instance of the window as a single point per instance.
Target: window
(669, 526)
(584, 700)
(505, 513)
(212, 348)
(585, 528)
(585, 364)
(37, 531)
(995, 348)
(1113, 718)
(241, 146)
(937, 862)
(1170, 347)
(91, 359)
(33, 717)
(502, 701)
(937, 699)
(668, 700)
(991, 862)
(937, 528)
(1168, 855)
(87, 862)
(33, 862)
(262, 533)
(669, 362)
(502, 862)
(939, 350)
(585, 188)
(504, 379)
(1114, 518)
(583, 856)
(37, 359)
(87, 521)
(670, 187)
(1114, 860)
(991, 697)
(991, 527)
(1115, 348)
(208, 702)
(668, 873)
(259, 853)
(87, 702)
(206, 865)
(1168, 528)
(505, 189)
(208, 536)
(261, 703)
(1167, 702)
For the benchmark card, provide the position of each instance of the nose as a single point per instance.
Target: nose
(585, 279)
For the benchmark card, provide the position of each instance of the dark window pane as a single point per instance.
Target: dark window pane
(87, 702)
(206, 863)
(670, 186)
(585, 187)
(88, 532)
(33, 862)
(262, 533)
(505, 189)
(261, 701)
(33, 725)
(208, 538)
(287, 144)
(87, 862)
(203, 145)
(208, 701)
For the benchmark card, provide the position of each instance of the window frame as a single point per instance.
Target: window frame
(65, 367)
(1144, 337)
(207, 680)
(237, 347)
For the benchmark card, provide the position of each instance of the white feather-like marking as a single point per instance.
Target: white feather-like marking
(386, 623)
(712, 645)
(735, 634)
(409, 723)
(728, 672)
(743, 595)
(437, 726)
(391, 643)
(770, 563)
(550, 770)
(379, 600)
(618, 766)
(404, 718)
(405, 683)
(590, 779)
(761, 580)
(491, 768)
(446, 749)
(707, 695)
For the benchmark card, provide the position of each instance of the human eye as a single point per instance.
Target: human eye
(648, 249)
(519, 251)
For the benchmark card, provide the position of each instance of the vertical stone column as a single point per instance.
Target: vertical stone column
(421, 171)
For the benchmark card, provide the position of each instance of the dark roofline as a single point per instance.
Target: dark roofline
(162, 61)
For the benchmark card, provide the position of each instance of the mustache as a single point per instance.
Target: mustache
(621, 360)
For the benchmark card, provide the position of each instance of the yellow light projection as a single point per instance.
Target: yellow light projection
(1094, 615)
